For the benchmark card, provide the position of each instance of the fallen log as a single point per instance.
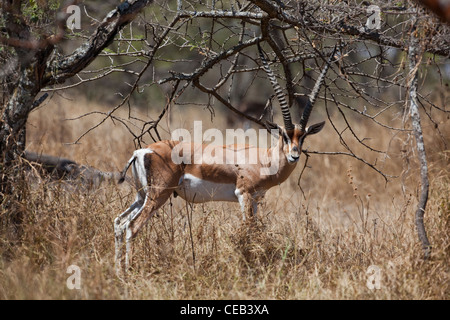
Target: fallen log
(66, 169)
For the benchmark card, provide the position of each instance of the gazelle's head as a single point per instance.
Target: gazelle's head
(293, 139)
(293, 135)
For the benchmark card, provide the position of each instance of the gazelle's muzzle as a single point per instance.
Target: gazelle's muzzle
(294, 154)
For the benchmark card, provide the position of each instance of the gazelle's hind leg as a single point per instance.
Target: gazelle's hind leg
(138, 220)
(119, 230)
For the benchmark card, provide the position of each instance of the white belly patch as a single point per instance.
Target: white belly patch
(197, 190)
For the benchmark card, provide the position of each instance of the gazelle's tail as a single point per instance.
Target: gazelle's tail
(125, 169)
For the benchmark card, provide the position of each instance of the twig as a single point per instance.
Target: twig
(301, 174)
(338, 153)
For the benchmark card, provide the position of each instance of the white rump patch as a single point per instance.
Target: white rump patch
(140, 173)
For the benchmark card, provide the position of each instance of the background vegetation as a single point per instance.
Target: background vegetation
(315, 237)
(318, 247)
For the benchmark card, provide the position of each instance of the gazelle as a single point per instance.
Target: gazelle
(157, 176)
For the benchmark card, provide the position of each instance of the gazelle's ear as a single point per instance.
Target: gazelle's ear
(315, 128)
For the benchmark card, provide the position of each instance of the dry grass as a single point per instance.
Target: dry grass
(313, 246)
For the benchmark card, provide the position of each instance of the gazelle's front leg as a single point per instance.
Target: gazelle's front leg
(249, 206)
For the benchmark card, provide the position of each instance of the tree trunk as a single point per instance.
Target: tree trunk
(31, 65)
(12, 141)
(414, 53)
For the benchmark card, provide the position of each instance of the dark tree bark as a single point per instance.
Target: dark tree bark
(31, 66)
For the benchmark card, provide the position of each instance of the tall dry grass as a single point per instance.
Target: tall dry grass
(316, 242)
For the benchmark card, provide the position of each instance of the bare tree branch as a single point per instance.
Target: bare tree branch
(68, 66)
(209, 63)
(275, 11)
